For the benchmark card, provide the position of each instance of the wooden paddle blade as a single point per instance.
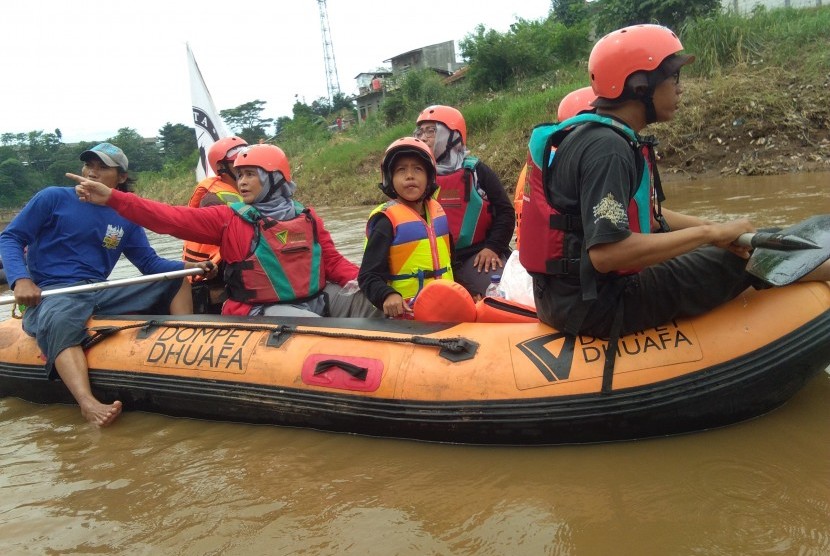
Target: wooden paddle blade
(779, 268)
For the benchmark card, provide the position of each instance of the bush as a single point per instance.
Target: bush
(529, 48)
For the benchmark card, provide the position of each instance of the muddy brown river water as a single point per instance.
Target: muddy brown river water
(158, 485)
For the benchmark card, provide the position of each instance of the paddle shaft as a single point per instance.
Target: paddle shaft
(172, 275)
(782, 242)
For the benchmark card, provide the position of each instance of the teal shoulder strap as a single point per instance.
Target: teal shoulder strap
(545, 136)
(245, 211)
(470, 162)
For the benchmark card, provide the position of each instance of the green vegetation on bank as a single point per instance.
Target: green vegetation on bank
(742, 64)
(750, 78)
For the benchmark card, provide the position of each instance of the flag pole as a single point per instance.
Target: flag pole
(208, 124)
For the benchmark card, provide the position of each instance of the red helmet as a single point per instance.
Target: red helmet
(224, 149)
(625, 51)
(268, 157)
(407, 145)
(575, 102)
(448, 116)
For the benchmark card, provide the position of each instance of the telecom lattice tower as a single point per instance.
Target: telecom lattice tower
(332, 81)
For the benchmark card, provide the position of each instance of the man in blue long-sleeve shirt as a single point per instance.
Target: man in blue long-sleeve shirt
(57, 240)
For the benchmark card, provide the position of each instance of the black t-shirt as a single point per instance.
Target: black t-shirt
(374, 269)
(595, 170)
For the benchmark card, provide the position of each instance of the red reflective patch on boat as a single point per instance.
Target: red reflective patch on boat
(361, 374)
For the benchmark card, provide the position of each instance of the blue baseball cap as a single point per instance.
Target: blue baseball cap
(109, 154)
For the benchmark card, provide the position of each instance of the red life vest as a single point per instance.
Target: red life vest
(549, 223)
(284, 264)
(468, 213)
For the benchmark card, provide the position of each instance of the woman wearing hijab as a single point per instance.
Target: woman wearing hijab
(281, 260)
(479, 212)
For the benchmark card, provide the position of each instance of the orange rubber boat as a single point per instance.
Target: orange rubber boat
(478, 383)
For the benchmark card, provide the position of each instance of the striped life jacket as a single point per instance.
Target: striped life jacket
(420, 250)
(193, 251)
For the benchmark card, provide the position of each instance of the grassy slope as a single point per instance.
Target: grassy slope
(763, 111)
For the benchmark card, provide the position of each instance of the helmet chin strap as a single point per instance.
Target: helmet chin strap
(647, 98)
(651, 112)
(453, 140)
(225, 168)
(273, 186)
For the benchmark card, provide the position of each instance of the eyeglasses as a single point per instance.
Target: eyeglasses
(423, 132)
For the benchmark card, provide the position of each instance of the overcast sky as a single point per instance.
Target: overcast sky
(91, 67)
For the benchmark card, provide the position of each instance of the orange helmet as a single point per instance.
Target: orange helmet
(448, 116)
(407, 145)
(224, 149)
(628, 50)
(575, 102)
(268, 157)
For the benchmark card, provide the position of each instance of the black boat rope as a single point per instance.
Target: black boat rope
(455, 349)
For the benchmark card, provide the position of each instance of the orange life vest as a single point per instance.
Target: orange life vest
(193, 251)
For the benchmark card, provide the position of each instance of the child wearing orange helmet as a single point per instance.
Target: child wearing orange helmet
(407, 238)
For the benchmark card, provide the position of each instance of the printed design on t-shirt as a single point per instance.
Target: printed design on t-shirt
(113, 236)
(609, 208)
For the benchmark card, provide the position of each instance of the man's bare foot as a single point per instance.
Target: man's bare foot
(101, 414)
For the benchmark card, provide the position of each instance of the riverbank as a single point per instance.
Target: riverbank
(753, 104)
(751, 121)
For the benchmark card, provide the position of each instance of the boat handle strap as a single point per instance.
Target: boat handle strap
(355, 370)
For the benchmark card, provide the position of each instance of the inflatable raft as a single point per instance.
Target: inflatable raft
(480, 383)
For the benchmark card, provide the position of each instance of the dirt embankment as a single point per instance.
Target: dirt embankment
(751, 122)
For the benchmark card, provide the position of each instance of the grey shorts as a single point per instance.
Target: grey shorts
(336, 302)
(59, 321)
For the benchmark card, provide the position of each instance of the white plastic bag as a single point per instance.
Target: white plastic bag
(516, 282)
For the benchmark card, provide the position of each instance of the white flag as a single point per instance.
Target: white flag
(209, 125)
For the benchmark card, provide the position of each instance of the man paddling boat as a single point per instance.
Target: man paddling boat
(607, 258)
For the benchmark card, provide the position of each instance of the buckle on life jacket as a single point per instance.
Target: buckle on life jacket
(562, 267)
(565, 222)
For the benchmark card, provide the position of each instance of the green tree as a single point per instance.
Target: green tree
(305, 127)
(15, 182)
(142, 153)
(177, 142)
(416, 90)
(39, 149)
(570, 12)
(246, 120)
(614, 14)
(528, 48)
(66, 159)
